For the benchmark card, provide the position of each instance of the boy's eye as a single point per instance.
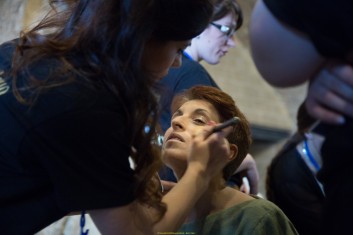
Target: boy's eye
(199, 121)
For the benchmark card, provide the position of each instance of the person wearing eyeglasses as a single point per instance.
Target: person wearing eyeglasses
(210, 46)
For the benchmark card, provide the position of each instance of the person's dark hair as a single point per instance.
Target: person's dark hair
(101, 43)
(226, 108)
(224, 7)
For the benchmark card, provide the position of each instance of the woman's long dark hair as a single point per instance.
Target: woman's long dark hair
(102, 41)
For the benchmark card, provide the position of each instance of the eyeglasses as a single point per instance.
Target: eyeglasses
(228, 31)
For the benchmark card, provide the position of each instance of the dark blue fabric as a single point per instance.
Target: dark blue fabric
(293, 188)
(65, 153)
(337, 177)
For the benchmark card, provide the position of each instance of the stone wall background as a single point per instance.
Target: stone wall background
(11, 13)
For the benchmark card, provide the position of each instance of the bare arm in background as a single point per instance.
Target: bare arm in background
(330, 93)
(286, 57)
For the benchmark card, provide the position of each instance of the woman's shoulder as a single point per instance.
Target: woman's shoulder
(259, 206)
(258, 215)
(253, 206)
(192, 65)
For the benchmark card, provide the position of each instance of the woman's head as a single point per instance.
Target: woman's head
(194, 109)
(105, 43)
(215, 41)
(177, 22)
(101, 30)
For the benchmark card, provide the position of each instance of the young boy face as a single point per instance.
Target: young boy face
(188, 120)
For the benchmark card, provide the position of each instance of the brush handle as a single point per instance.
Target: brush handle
(231, 122)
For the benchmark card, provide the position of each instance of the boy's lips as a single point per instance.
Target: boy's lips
(175, 136)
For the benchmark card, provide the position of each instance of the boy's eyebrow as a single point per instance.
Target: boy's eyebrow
(199, 111)
(177, 113)
(202, 112)
(196, 111)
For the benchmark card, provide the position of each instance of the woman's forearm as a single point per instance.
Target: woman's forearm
(181, 199)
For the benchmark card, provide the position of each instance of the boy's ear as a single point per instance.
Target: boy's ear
(233, 152)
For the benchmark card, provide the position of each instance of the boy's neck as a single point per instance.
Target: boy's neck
(192, 52)
(211, 201)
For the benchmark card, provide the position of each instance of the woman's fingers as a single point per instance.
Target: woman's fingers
(210, 150)
(330, 95)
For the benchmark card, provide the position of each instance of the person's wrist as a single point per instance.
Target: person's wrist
(199, 173)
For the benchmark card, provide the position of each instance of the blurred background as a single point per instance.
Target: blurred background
(271, 111)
